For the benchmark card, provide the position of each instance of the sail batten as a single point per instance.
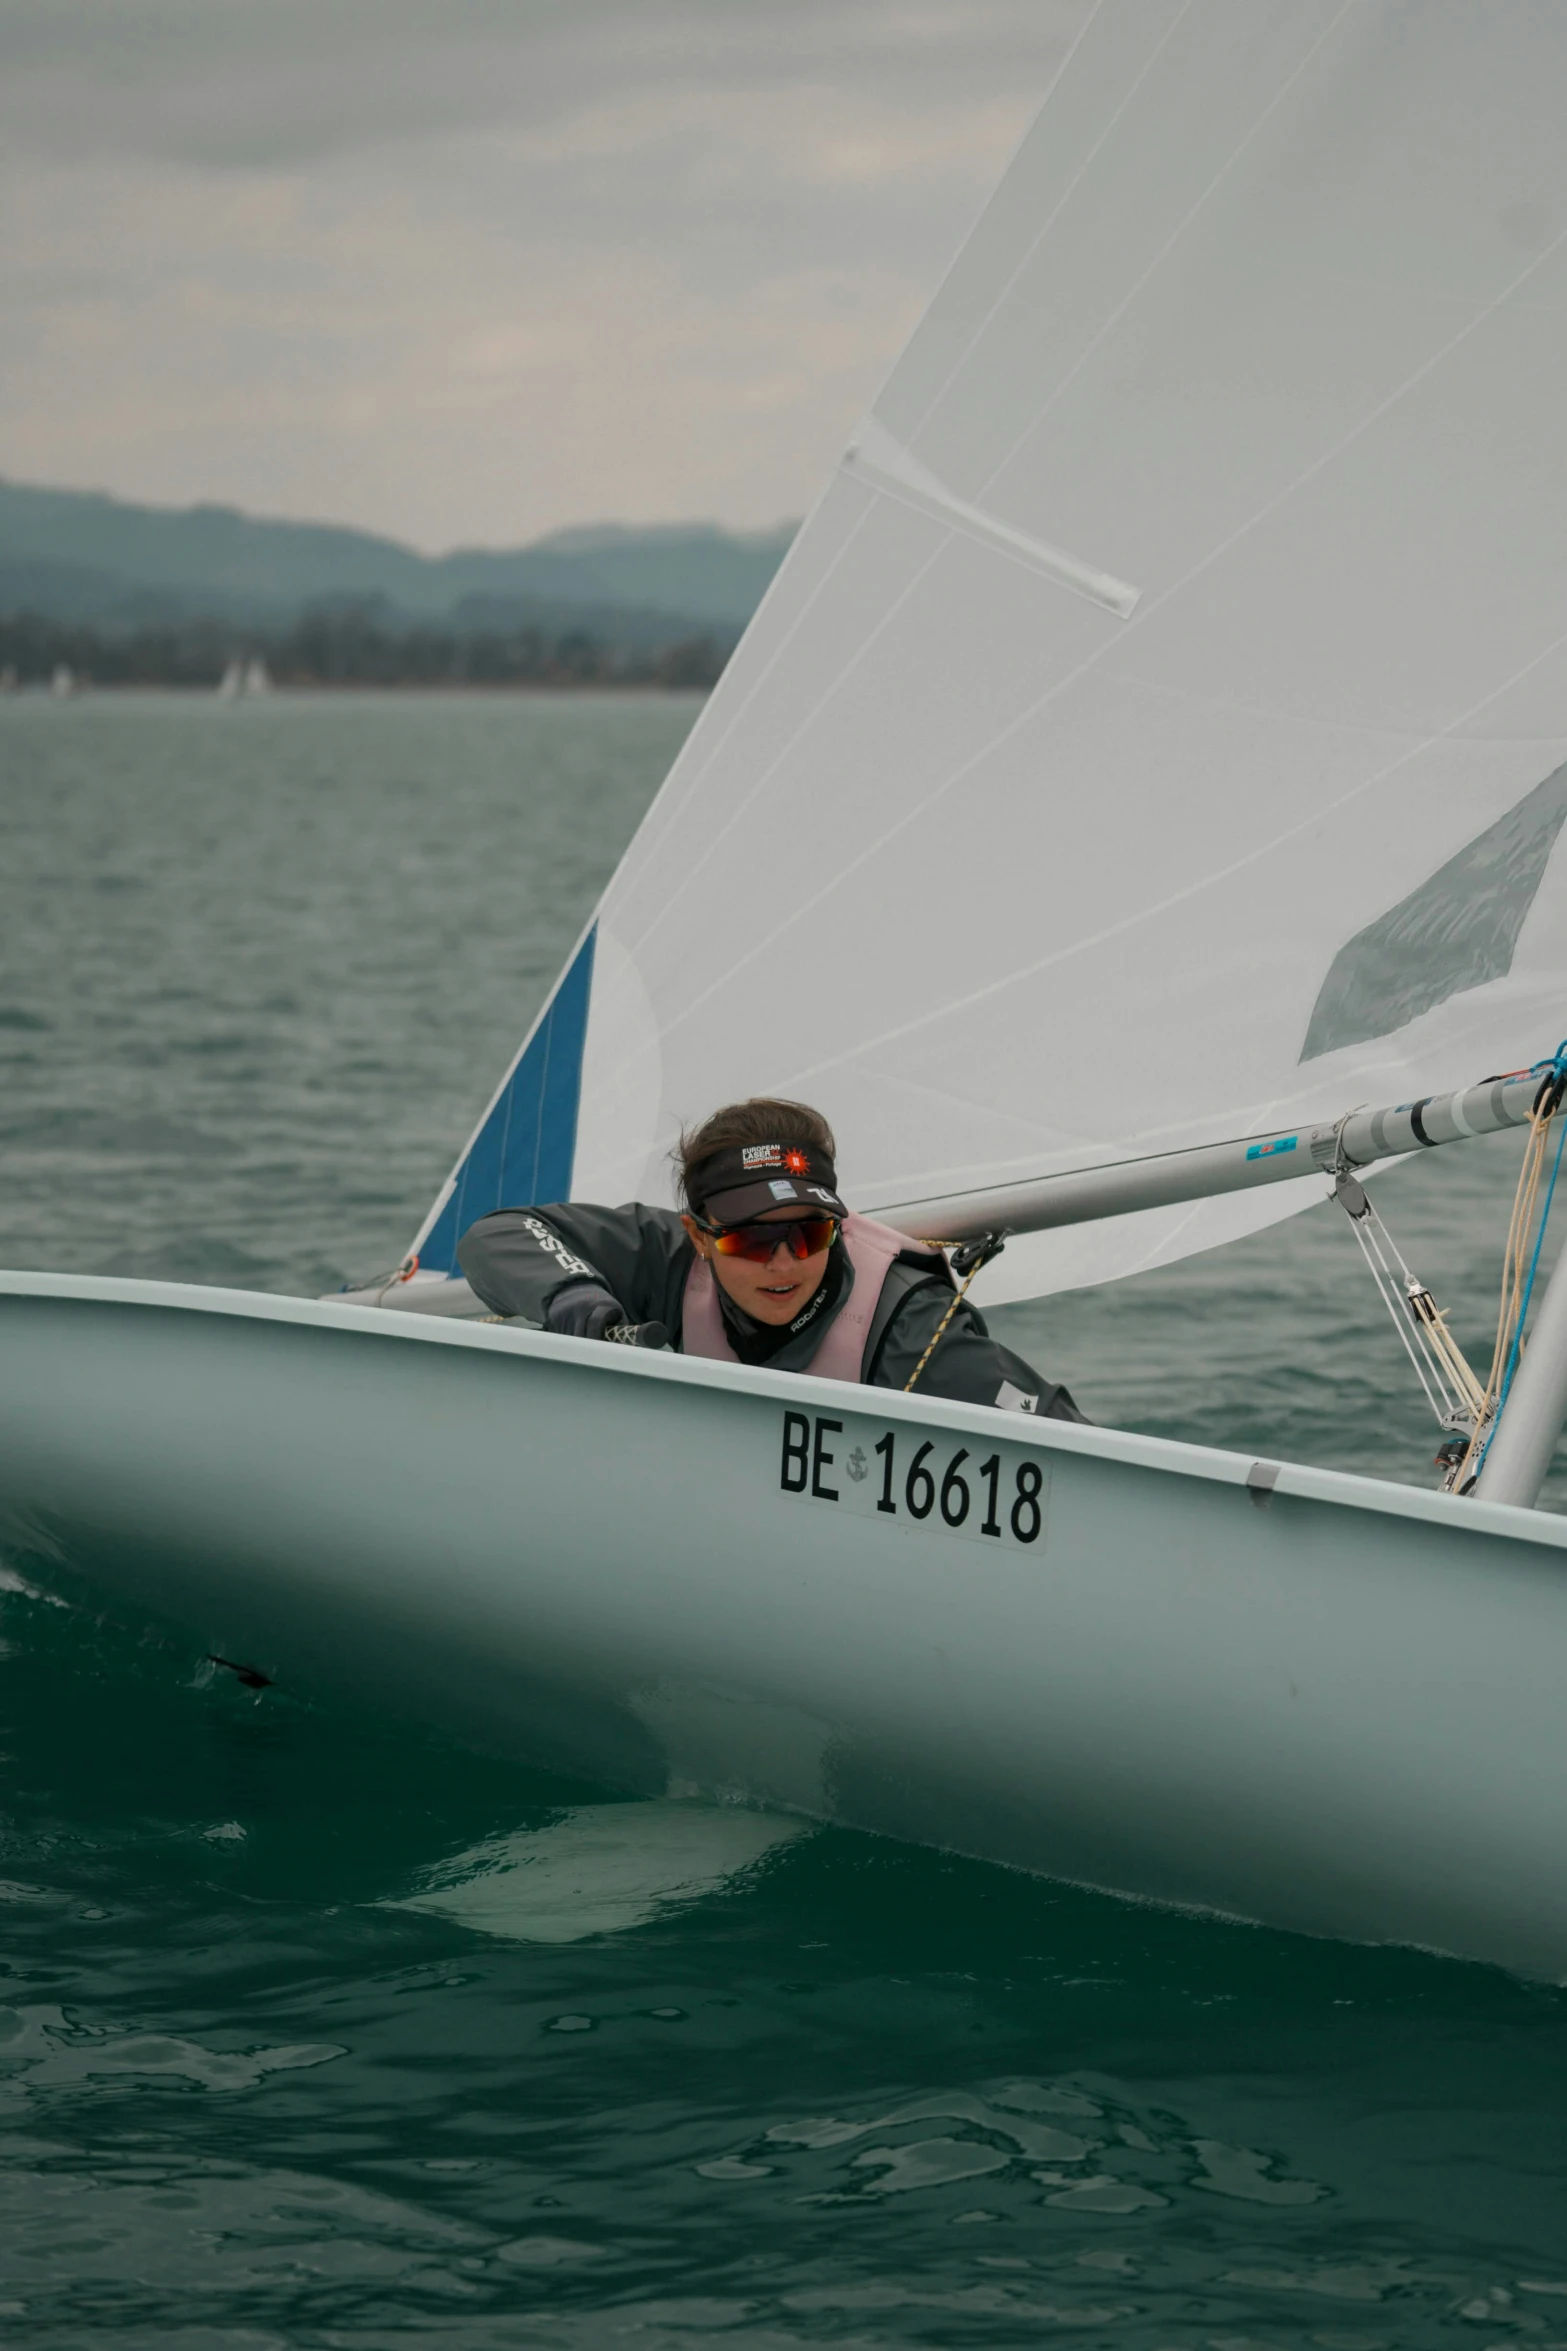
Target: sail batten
(876, 457)
(1156, 730)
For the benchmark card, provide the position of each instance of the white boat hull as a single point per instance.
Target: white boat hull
(1336, 1705)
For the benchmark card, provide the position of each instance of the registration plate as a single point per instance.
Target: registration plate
(986, 1492)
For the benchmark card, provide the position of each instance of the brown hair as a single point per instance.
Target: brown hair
(760, 1120)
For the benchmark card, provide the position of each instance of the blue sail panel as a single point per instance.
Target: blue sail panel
(525, 1148)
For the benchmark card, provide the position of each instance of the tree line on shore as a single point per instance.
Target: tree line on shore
(348, 647)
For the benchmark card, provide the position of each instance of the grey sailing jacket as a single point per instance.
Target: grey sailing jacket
(517, 1259)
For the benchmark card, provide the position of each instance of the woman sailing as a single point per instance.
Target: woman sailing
(763, 1264)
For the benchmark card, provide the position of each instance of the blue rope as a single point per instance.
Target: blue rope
(1555, 1067)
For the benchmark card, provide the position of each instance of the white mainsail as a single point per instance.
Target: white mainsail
(1158, 732)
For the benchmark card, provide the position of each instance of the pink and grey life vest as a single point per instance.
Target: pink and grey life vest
(872, 1249)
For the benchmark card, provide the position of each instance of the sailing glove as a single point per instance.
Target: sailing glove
(584, 1310)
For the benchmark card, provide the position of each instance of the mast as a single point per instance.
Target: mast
(1519, 1455)
(1357, 1141)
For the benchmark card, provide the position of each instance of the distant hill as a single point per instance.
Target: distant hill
(79, 556)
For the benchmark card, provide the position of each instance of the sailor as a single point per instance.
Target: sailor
(765, 1264)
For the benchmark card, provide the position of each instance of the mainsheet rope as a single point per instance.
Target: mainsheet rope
(1450, 1386)
(969, 1258)
(1469, 1412)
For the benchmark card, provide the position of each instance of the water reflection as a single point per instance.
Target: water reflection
(600, 1870)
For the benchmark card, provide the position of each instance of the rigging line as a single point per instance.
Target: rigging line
(1439, 1336)
(1068, 193)
(922, 809)
(1163, 255)
(1519, 1224)
(1444, 1359)
(1534, 1267)
(1387, 1247)
(985, 1251)
(1400, 1322)
(1515, 1296)
(1524, 1195)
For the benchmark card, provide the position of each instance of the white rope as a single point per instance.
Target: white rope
(1381, 1275)
(1456, 1397)
(1455, 1394)
(1514, 1301)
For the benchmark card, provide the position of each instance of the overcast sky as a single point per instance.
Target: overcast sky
(468, 270)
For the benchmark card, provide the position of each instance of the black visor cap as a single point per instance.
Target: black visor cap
(747, 1180)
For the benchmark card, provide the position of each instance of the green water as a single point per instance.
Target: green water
(260, 967)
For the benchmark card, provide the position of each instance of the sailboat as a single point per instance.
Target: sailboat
(1166, 707)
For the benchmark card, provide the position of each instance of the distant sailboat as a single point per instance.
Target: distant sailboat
(1173, 677)
(244, 679)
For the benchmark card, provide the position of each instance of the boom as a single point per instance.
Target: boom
(1360, 1140)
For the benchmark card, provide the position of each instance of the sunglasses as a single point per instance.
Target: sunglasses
(803, 1236)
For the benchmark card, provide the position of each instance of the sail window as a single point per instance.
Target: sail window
(1458, 930)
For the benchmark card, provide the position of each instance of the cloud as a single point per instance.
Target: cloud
(470, 273)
